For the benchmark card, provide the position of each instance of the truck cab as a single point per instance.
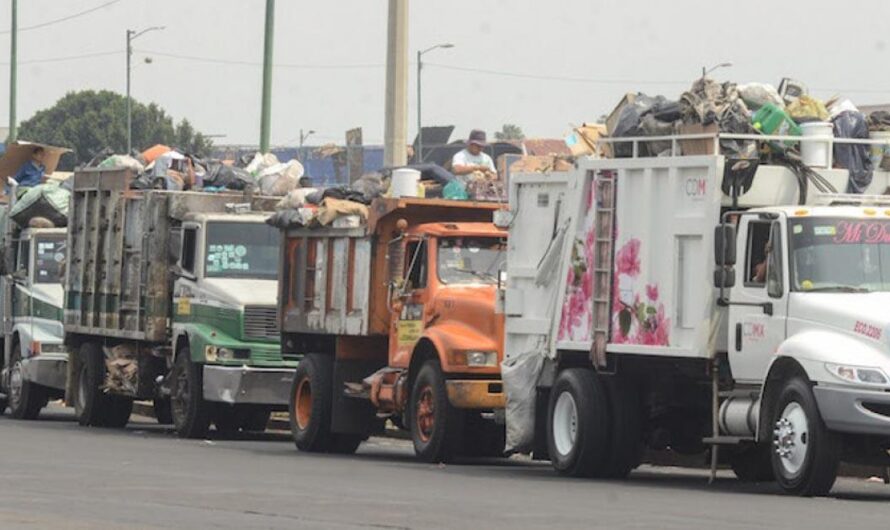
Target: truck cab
(224, 316)
(35, 357)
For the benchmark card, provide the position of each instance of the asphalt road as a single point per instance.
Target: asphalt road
(54, 474)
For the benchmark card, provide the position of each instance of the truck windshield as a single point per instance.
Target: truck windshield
(841, 255)
(467, 260)
(237, 249)
(49, 259)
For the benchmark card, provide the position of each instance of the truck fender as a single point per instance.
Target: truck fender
(449, 337)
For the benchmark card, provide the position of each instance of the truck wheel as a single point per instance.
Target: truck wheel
(163, 412)
(89, 400)
(805, 453)
(578, 424)
(436, 426)
(26, 399)
(191, 414)
(626, 429)
(310, 403)
(752, 463)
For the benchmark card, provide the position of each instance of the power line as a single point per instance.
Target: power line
(69, 57)
(65, 18)
(554, 78)
(213, 60)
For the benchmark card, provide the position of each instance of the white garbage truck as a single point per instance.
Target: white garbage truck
(699, 304)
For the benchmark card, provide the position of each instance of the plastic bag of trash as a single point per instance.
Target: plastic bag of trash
(370, 186)
(756, 95)
(260, 162)
(123, 161)
(44, 200)
(520, 377)
(295, 199)
(281, 178)
(292, 217)
(220, 175)
(855, 158)
(455, 190)
(808, 108)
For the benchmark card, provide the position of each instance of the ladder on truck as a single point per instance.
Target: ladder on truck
(603, 260)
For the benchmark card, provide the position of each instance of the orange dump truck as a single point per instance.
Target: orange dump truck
(395, 318)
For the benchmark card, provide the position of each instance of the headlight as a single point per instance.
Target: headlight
(211, 353)
(858, 374)
(482, 358)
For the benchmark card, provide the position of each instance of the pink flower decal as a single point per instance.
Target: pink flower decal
(652, 292)
(627, 260)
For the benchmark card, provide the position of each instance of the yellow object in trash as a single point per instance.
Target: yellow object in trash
(808, 107)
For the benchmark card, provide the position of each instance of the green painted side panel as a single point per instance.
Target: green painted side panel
(262, 354)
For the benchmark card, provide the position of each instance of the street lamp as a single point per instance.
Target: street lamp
(131, 35)
(419, 155)
(705, 71)
(304, 137)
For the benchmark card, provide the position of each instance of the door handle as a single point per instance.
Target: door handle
(738, 336)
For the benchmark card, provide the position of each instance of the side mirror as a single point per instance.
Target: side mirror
(724, 245)
(724, 278)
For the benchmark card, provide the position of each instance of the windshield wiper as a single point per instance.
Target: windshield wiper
(838, 289)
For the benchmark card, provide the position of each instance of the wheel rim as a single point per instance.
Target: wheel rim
(181, 395)
(565, 423)
(16, 382)
(426, 414)
(303, 403)
(791, 438)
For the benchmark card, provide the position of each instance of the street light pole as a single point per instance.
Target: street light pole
(419, 155)
(705, 70)
(304, 137)
(13, 52)
(131, 35)
(266, 109)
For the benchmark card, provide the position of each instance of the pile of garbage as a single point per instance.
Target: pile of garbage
(752, 108)
(338, 206)
(165, 168)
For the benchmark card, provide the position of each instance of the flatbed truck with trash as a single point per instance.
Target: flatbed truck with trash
(699, 303)
(393, 307)
(170, 297)
(34, 361)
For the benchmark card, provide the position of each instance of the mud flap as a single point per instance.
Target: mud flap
(350, 415)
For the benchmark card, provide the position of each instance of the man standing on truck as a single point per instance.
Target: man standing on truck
(31, 173)
(471, 159)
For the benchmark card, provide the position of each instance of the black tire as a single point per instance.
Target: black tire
(163, 411)
(578, 398)
(821, 456)
(310, 404)
(117, 413)
(625, 448)
(3, 404)
(752, 463)
(26, 401)
(345, 444)
(191, 414)
(90, 402)
(482, 437)
(436, 426)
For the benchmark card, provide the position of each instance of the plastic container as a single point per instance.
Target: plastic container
(879, 153)
(770, 119)
(815, 153)
(405, 182)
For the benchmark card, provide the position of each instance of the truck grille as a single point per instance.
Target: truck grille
(261, 322)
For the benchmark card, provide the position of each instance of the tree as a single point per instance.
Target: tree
(509, 131)
(89, 121)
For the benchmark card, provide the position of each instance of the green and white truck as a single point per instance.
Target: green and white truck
(32, 366)
(171, 296)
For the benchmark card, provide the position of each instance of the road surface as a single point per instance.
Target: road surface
(55, 474)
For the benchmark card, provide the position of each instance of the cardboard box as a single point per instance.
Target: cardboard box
(582, 141)
(704, 146)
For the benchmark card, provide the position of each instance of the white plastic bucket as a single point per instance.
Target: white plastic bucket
(878, 152)
(814, 153)
(404, 183)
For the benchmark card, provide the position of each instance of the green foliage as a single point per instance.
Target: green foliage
(509, 131)
(89, 121)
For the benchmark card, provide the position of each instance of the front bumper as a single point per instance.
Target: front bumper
(854, 410)
(47, 369)
(476, 393)
(246, 384)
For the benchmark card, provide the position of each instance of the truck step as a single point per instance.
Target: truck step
(727, 440)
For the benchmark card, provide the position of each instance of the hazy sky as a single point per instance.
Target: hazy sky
(557, 62)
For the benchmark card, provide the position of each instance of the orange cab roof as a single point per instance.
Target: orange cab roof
(447, 229)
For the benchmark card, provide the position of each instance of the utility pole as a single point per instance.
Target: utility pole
(131, 35)
(396, 118)
(304, 137)
(419, 154)
(13, 50)
(266, 111)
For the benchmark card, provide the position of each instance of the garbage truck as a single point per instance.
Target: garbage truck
(170, 297)
(33, 368)
(702, 304)
(394, 317)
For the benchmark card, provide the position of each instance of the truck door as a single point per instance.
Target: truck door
(21, 280)
(408, 323)
(754, 333)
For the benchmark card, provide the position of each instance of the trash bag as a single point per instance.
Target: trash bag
(709, 102)
(279, 179)
(855, 158)
(261, 162)
(370, 186)
(220, 175)
(455, 190)
(123, 161)
(520, 376)
(646, 116)
(292, 217)
(806, 108)
(294, 199)
(879, 120)
(44, 200)
(756, 95)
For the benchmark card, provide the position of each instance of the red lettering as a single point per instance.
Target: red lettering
(848, 232)
(872, 332)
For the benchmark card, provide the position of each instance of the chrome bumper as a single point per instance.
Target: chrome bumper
(245, 384)
(847, 409)
(47, 369)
